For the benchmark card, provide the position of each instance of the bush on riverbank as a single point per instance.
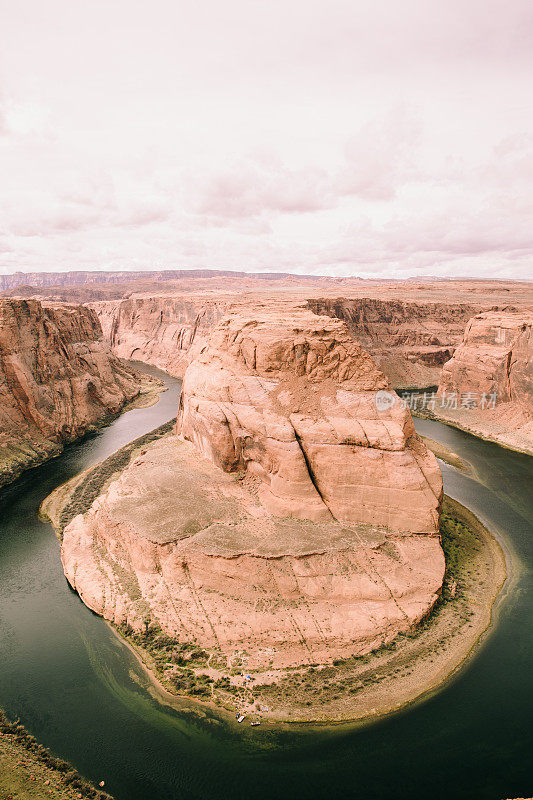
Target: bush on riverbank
(173, 660)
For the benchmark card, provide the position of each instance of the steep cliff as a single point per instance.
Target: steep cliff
(409, 341)
(291, 520)
(158, 330)
(294, 403)
(58, 380)
(487, 386)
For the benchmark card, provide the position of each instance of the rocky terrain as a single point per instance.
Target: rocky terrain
(158, 330)
(58, 380)
(409, 341)
(410, 328)
(487, 387)
(290, 521)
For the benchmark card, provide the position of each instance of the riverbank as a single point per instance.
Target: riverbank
(444, 453)
(353, 689)
(89, 695)
(76, 495)
(358, 689)
(478, 426)
(29, 771)
(38, 450)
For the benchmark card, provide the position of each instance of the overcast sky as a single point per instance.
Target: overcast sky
(376, 138)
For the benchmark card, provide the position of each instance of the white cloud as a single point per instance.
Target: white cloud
(337, 136)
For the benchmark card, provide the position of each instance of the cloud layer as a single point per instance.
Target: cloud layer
(361, 138)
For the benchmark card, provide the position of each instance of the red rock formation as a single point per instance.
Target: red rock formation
(409, 341)
(494, 356)
(158, 330)
(307, 531)
(492, 378)
(294, 403)
(58, 379)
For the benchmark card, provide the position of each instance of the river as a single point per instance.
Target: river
(83, 694)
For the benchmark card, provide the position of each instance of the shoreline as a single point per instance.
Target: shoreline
(452, 423)
(431, 657)
(379, 692)
(445, 454)
(29, 771)
(149, 391)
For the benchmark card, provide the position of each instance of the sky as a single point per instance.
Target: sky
(377, 138)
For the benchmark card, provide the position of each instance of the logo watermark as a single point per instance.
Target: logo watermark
(430, 401)
(385, 400)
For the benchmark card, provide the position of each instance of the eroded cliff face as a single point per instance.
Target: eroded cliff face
(487, 387)
(409, 341)
(158, 330)
(294, 405)
(58, 379)
(494, 357)
(290, 520)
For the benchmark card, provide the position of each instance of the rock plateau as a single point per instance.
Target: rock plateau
(289, 521)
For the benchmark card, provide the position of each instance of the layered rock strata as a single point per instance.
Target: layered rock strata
(158, 330)
(58, 380)
(487, 386)
(290, 522)
(409, 341)
(294, 404)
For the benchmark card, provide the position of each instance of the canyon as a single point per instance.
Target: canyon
(292, 518)
(159, 330)
(417, 345)
(409, 341)
(412, 329)
(286, 521)
(487, 386)
(58, 381)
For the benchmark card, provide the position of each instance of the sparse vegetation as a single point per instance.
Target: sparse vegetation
(84, 492)
(189, 670)
(177, 663)
(24, 761)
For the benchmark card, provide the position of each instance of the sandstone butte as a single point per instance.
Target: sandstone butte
(494, 359)
(58, 380)
(287, 518)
